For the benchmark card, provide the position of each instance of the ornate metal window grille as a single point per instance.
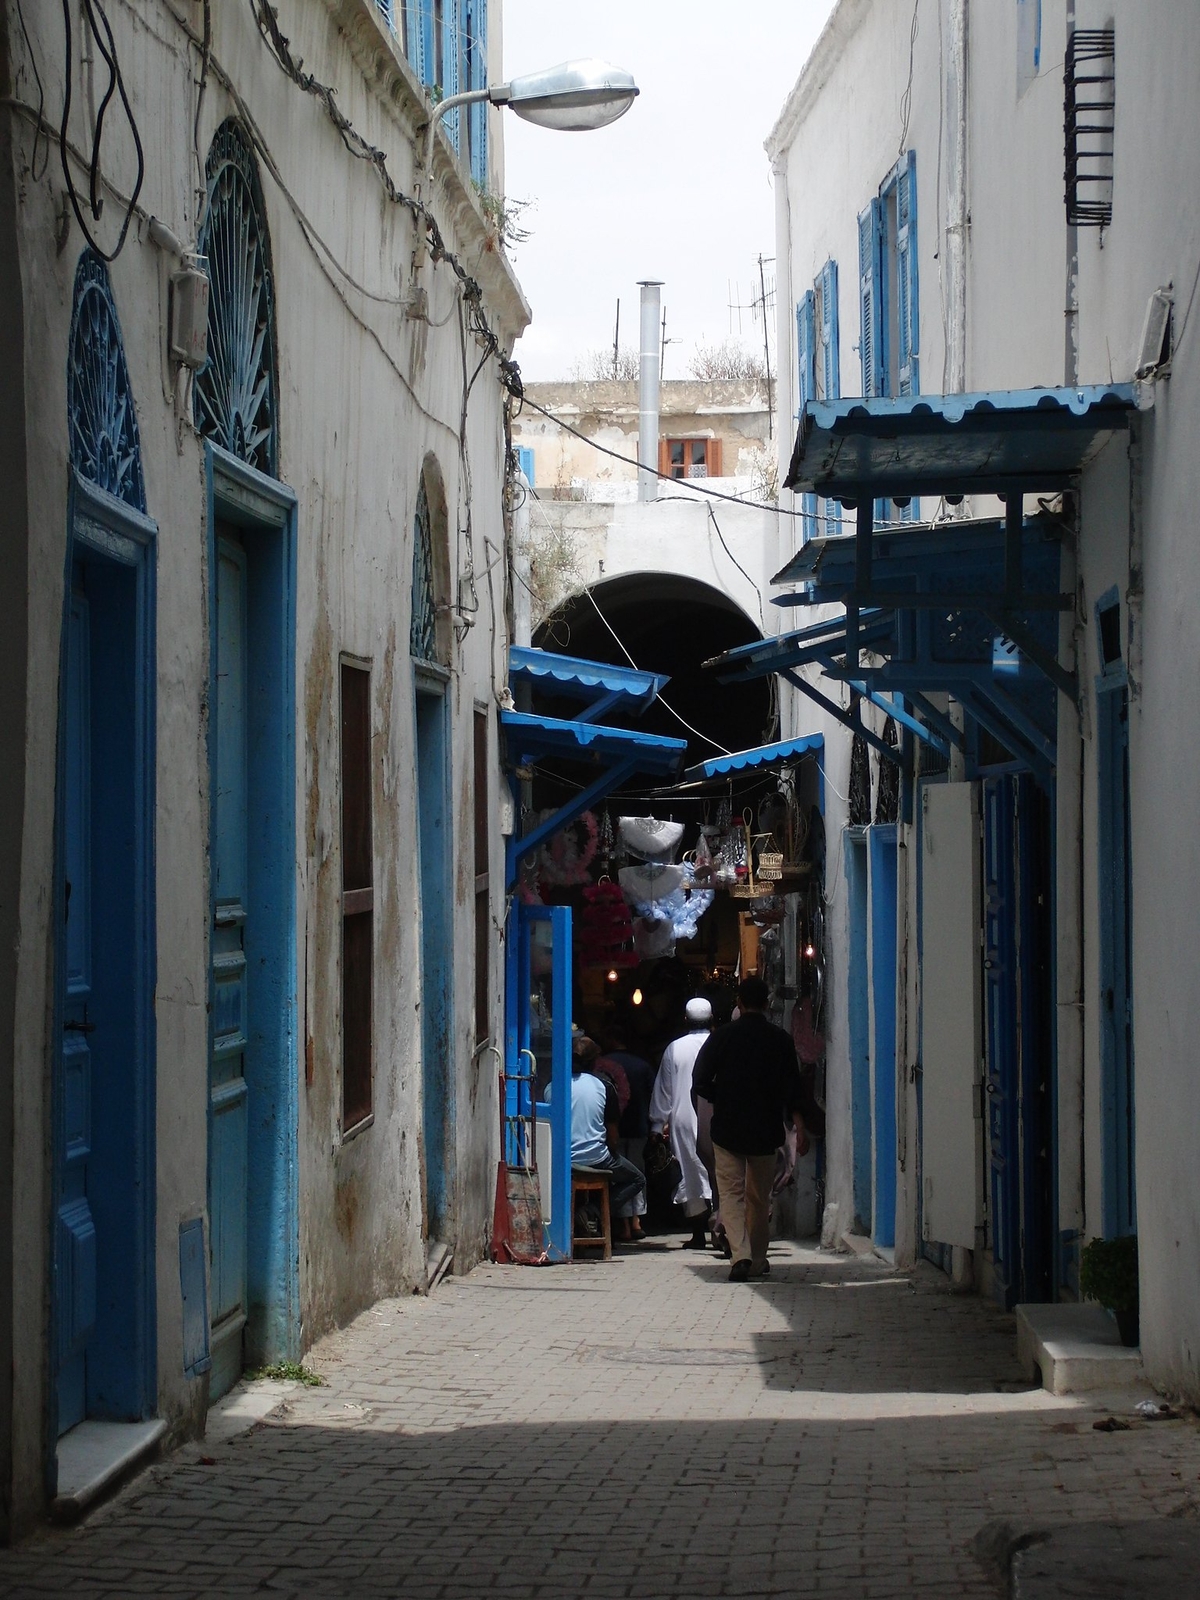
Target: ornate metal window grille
(1089, 96)
(422, 636)
(860, 779)
(887, 792)
(105, 446)
(236, 392)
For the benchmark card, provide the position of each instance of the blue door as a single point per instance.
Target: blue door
(883, 864)
(75, 1243)
(1000, 990)
(436, 900)
(103, 1176)
(859, 1028)
(227, 1146)
(538, 957)
(1116, 961)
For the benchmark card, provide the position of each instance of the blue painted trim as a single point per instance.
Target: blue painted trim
(573, 675)
(858, 1025)
(99, 523)
(782, 753)
(558, 1234)
(261, 506)
(883, 864)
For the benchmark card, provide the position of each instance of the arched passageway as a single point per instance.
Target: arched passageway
(672, 624)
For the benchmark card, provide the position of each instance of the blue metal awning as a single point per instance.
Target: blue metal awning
(943, 627)
(1026, 440)
(783, 754)
(619, 753)
(605, 688)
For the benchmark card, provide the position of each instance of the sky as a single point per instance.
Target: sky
(679, 189)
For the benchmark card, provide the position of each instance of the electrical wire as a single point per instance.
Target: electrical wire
(665, 704)
(37, 78)
(106, 45)
(906, 97)
(201, 178)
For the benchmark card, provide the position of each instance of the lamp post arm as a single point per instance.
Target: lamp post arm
(451, 102)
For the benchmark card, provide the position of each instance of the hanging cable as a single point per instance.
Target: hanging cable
(106, 45)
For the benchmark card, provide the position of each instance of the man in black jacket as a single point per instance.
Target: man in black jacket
(749, 1071)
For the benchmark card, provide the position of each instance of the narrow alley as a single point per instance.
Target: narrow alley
(643, 1428)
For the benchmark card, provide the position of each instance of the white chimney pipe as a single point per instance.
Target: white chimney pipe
(648, 375)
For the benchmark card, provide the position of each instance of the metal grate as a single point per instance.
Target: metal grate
(887, 793)
(105, 447)
(1089, 104)
(235, 392)
(860, 780)
(422, 635)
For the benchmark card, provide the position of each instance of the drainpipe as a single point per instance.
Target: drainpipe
(957, 210)
(648, 379)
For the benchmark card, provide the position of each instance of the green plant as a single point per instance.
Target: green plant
(1108, 1272)
(503, 215)
(289, 1372)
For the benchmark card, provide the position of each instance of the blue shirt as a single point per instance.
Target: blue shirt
(591, 1111)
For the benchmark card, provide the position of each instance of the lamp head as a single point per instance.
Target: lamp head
(574, 97)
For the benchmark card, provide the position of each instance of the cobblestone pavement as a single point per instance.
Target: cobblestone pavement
(639, 1428)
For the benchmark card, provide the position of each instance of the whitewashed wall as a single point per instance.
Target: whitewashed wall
(364, 400)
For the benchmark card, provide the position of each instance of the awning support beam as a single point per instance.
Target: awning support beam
(612, 778)
(844, 717)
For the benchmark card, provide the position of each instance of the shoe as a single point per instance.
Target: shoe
(739, 1272)
(696, 1242)
(761, 1272)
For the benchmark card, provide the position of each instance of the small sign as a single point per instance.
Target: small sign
(770, 864)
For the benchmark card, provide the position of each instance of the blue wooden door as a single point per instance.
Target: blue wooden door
(882, 867)
(75, 1242)
(1000, 991)
(227, 1162)
(436, 901)
(1119, 1208)
(859, 1029)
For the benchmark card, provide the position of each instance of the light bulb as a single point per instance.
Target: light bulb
(636, 997)
(810, 951)
(612, 975)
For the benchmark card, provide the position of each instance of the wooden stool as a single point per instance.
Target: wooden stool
(587, 1181)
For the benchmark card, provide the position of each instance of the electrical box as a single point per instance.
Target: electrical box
(189, 317)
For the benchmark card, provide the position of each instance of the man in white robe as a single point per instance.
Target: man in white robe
(673, 1115)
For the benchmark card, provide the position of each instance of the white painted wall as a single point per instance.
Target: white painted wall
(364, 399)
(833, 143)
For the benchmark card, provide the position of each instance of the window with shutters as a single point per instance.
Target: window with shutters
(358, 898)
(483, 930)
(446, 43)
(819, 378)
(889, 301)
(689, 458)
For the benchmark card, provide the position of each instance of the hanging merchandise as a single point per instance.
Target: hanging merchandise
(650, 838)
(664, 895)
(604, 936)
(653, 937)
(606, 841)
(566, 857)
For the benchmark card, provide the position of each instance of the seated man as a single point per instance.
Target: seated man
(595, 1115)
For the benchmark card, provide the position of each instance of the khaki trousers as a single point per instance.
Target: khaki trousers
(744, 1187)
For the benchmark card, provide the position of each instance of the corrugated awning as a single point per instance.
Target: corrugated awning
(998, 442)
(605, 688)
(764, 756)
(530, 737)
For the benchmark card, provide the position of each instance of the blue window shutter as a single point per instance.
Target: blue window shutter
(908, 309)
(525, 457)
(452, 37)
(385, 9)
(806, 387)
(477, 116)
(870, 275)
(831, 372)
(417, 24)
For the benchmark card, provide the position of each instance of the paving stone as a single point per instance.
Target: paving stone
(634, 1431)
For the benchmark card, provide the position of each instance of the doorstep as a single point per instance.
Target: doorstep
(94, 1456)
(1077, 1348)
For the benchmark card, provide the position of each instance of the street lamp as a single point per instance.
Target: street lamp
(574, 98)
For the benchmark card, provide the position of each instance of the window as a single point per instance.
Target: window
(386, 9)
(889, 302)
(483, 924)
(358, 897)
(819, 377)
(446, 43)
(1029, 43)
(689, 458)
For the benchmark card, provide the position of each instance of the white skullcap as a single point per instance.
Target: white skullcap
(698, 1011)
